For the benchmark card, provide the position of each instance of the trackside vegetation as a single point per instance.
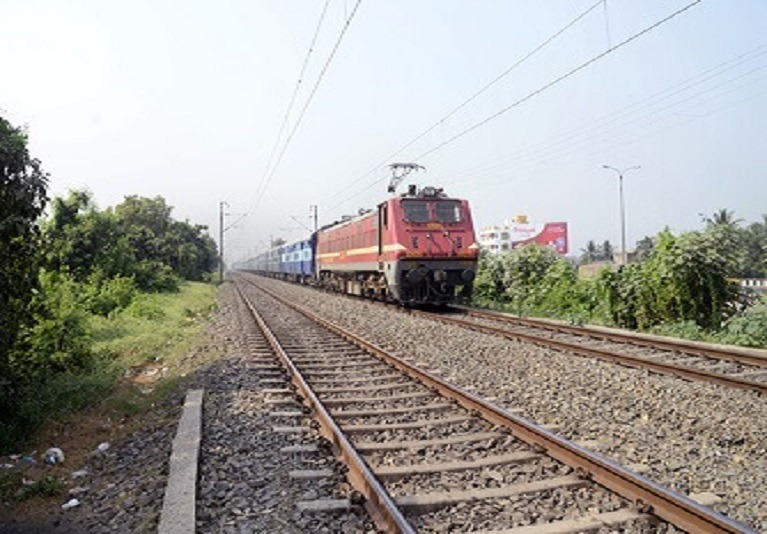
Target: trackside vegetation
(682, 285)
(86, 294)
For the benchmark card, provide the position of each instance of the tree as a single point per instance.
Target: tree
(644, 248)
(755, 243)
(23, 188)
(524, 268)
(607, 251)
(155, 237)
(590, 253)
(81, 239)
(593, 252)
(490, 276)
(722, 217)
(685, 278)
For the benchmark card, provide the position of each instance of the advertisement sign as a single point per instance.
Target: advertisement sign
(552, 235)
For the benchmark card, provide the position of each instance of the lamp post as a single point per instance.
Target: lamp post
(621, 172)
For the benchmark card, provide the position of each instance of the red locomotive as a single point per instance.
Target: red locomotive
(418, 248)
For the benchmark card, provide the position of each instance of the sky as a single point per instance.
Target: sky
(186, 100)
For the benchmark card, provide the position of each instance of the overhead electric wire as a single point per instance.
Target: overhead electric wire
(602, 126)
(541, 89)
(649, 126)
(558, 80)
(295, 93)
(613, 141)
(269, 178)
(473, 97)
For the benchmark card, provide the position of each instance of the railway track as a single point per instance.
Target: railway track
(428, 456)
(741, 368)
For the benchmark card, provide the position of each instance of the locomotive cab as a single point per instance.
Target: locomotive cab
(436, 256)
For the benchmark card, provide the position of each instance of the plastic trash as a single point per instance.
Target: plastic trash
(80, 473)
(71, 503)
(103, 447)
(54, 456)
(29, 459)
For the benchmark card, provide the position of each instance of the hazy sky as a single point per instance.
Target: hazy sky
(185, 100)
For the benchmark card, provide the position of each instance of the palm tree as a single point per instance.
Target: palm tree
(722, 217)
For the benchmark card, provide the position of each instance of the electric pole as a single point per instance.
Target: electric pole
(621, 172)
(313, 215)
(221, 214)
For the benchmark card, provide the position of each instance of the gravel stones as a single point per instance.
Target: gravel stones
(244, 478)
(693, 437)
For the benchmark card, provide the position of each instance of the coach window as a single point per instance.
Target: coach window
(448, 212)
(416, 211)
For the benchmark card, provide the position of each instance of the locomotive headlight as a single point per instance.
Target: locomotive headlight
(467, 275)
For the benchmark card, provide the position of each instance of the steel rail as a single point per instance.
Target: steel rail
(668, 344)
(607, 355)
(379, 503)
(677, 509)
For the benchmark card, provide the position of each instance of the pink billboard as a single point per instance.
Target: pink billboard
(552, 235)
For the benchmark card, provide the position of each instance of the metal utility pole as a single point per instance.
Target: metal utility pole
(221, 214)
(621, 172)
(313, 215)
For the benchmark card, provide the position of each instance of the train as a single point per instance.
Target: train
(418, 248)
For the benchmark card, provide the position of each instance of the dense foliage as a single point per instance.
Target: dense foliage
(138, 239)
(22, 200)
(678, 280)
(57, 275)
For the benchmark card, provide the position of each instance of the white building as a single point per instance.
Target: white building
(519, 230)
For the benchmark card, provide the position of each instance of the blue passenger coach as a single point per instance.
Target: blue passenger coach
(293, 261)
(297, 259)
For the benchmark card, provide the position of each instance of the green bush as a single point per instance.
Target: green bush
(681, 288)
(154, 276)
(107, 295)
(145, 307)
(58, 341)
(748, 329)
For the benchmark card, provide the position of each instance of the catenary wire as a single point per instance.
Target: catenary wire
(581, 136)
(557, 80)
(295, 94)
(470, 99)
(538, 91)
(292, 133)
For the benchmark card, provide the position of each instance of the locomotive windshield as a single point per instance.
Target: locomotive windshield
(448, 211)
(416, 211)
(422, 211)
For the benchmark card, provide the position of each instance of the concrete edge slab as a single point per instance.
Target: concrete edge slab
(178, 514)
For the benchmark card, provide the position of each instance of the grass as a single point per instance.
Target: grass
(155, 327)
(156, 330)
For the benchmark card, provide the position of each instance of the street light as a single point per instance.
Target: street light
(621, 172)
